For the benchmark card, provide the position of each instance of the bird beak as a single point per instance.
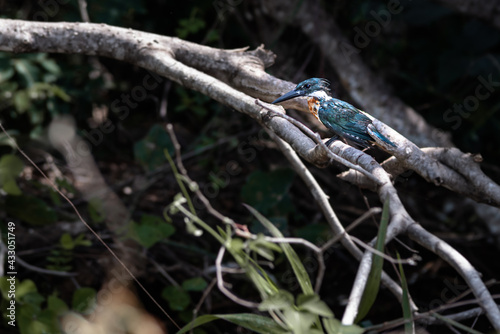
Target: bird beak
(288, 96)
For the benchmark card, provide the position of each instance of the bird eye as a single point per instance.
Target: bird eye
(307, 86)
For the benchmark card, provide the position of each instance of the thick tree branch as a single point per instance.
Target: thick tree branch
(447, 167)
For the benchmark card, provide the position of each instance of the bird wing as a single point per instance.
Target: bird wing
(345, 120)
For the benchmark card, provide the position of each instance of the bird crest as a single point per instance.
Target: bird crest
(312, 85)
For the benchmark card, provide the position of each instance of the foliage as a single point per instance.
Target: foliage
(28, 85)
(10, 167)
(306, 315)
(149, 151)
(405, 303)
(35, 313)
(373, 283)
(150, 230)
(30, 209)
(61, 257)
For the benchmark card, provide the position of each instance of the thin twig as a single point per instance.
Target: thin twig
(319, 254)
(462, 266)
(322, 200)
(164, 273)
(412, 261)
(3, 250)
(82, 6)
(222, 288)
(193, 185)
(43, 270)
(371, 212)
(204, 296)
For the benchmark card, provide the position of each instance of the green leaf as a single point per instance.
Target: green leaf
(278, 301)
(253, 322)
(10, 187)
(56, 305)
(6, 74)
(33, 320)
(151, 230)
(334, 326)
(81, 241)
(10, 167)
(301, 322)
(60, 93)
(26, 318)
(30, 209)
(264, 248)
(67, 241)
(96, 210)
(297, 266)
(149, 151)
(50, 66)
(373, 283)
(33, 298)
(454, 323)
(24, 288)
(26, 70)
(54, 197)
(267, 190)
(22, 101)
(312, 304)
(83, 300)
(194, 284)
(177, 298)
(405, 302)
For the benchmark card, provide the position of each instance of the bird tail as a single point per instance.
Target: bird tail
(375, 133)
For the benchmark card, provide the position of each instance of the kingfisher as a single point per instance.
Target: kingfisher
(342, 118)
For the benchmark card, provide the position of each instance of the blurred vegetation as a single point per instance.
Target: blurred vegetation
(433, 57)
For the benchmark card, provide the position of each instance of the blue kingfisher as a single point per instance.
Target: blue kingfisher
(340, 117)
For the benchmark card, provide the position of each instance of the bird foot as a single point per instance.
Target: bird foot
(331, 140)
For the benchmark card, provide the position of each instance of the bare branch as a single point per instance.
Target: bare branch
(462, 266)
(223, 289)
(447, 167)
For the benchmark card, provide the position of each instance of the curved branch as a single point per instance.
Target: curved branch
(322, 200)
(447, 167)
(462, 266)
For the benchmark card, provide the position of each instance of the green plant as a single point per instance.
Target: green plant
(28, 84)
(305, 313)
(61, 257)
